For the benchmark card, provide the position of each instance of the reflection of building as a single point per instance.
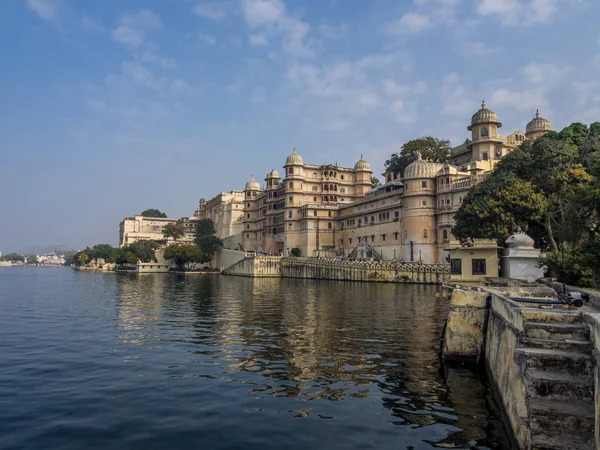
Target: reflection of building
(328, 210)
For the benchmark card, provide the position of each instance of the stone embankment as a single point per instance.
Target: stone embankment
(542, 363)
(344, 270)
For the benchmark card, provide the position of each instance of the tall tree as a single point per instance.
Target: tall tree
(206, 240)
(430, 148)
(183, 255)
(32, 259)
(153, 213)
(375, 182)
(173, 230)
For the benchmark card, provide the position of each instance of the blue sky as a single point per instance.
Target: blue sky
(111, 107)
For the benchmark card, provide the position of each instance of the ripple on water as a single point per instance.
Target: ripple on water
(169, 361)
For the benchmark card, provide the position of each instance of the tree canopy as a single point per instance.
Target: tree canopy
(206, 239)
(32, 260)
(153, 213)
(375, 182)
(173, 230)
(183, 255)
(430, 148)
(13, 257)
(550, 188)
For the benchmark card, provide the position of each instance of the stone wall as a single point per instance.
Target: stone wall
(328, 269)
(464, 338)
(225, 258)
(256, 266)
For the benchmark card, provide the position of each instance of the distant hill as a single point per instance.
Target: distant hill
(44, 249)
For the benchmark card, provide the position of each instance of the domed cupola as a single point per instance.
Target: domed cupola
(273, 174)
(294, 159)
(252, 185)
(362, 166)
(421, 169)
(484, 116)
(538, 125)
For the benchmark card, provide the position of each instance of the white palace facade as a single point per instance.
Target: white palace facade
(332, 211)
(329, 211)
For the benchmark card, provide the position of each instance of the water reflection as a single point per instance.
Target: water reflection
(313, 349)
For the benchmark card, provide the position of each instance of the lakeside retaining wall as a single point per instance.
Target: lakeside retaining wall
(330, 269)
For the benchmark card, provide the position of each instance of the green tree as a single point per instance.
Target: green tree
(13, 257)
(183, 255)
(103, 251)
(295, 252)
(82, 258)
(145, 250)
(205, 227)
(153, 213)
(206, 240)
(32, 259)
(173, 230)
(126, 256)
(375, 182)
(574, 134)
(430, 149)
(533, 188)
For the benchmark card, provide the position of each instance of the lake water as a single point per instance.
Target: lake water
(163, 361)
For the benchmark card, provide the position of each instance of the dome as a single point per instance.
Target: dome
(362, 165)
(421, 169)
(519, 240)
(273, 174)
(484, 115)
(294, 159)
(252, 185)
(538, 124)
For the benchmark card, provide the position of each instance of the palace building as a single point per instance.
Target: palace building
(332, 211)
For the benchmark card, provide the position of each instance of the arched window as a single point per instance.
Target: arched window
(445, 234)
(343, 190)
(425, 233)
(326, 188)
(314, 199)
(484, 132)
(314, 188)
(291, 199)
(289, 214)
(389, 178)
(335, 199)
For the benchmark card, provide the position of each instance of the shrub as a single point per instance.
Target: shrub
(296, 252)
(586, 283)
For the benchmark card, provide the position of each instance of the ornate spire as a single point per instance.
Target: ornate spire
(483, 104)
(294, 151)
(537, 113)
(419, 155)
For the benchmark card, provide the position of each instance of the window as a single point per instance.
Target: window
(479, 267)
(291, 185)
(372, 218)
(314, 174)
(383, 237)
(314, 199)
(445, 234)
(349, 239)
(289, 225)
(329, 225)
(485, 156)
(447, 201)
(372, 238)
(248, 235)
(341, 177)
(248, 205)
(289, 214)
(329, 213)
(247, 227)
(484, 132)
(389, 178)
(424, 202)
(396, 236)
(405, 235)
(314, 188)
(425, 233)
(456, 266)
(248, 216)
(315, 213)
(290, 171)
(441, 202)
(341, 242)
(291, 199)
(424, 184)
(396, 214)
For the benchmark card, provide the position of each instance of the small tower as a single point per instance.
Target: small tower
(486, 144)
(362, 170)
(294, 165)
(537, 127)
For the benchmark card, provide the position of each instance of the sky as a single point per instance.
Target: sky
(111, 107)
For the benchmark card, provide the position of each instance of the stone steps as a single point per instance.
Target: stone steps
(558, 386)
(557, 331)
(558, 361)
(565, 344)
(559, 424)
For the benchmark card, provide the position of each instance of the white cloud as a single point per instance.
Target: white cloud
(152, 58)
(478, 49)
(97, 105)
(521, 100)
(128, 37)
(263, 12)
(410, 22)
(143, 19)
(44, 9)
(215, 11)
(206, 39)
(456, 101)
(90, 25)
(258, 39)
(271, 18)
(521, 12)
